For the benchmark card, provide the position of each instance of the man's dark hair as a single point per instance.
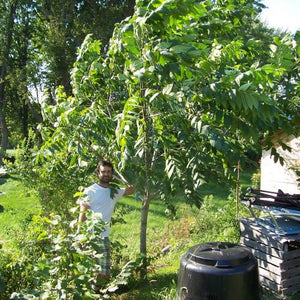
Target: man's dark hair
(105, 163)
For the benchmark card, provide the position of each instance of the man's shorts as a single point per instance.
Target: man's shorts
(104, 261)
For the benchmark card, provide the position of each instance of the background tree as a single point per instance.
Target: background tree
(19, 55)
(38, 49)
(9, 11)
(64, 27)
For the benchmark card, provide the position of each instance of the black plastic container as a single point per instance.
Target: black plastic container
(218, 271)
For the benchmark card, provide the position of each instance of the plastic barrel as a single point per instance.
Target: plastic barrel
(218, 271)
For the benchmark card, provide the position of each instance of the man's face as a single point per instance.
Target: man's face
(105, 174)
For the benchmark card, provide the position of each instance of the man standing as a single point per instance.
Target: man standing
(101, 199)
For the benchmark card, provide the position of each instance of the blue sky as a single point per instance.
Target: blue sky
(283, 14)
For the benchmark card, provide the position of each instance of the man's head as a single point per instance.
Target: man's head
(105, 171)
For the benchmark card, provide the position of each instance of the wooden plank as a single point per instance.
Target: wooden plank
(272, 294)
(284, 265)
(268, 258)
(284, 275)
(288, 291)
(293, 291)
(291, 254)
(278, 257)
(287, 287)
(270, 275)
(290, 264)
(267, 254)
(254, 244)
(280, 238)
(290, 273)
(285, 269)
(269, 267)
(254, 234)
(267, 248)
(282, 283)
(269, 283)
(293, 281)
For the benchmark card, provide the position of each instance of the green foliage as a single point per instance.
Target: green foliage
(219, 224)
(39, 41)
(17, 272)
(181, 95)
(191, 226)
(51, 173)
(66, 265)
(192, 100)
(167, 103)
(166, 294)
(285, 53)
(19, 205)
(187, 99)
(255, 180)
(21, 250)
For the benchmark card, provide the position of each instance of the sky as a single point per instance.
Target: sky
(283, 14)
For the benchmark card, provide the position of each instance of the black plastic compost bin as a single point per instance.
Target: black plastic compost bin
(218, 271)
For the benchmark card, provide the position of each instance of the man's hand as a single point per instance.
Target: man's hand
(129, 190)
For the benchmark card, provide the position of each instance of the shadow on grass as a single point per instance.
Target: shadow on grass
(158, 287)
(156, 208)
(3, 180)
(162, 286)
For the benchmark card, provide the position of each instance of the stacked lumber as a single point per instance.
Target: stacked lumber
(278, 257)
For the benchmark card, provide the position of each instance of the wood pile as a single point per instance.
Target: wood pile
(278, 257)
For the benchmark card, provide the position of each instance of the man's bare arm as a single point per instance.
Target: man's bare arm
(83, 208)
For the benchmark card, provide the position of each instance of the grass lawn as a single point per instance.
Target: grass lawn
(18, 205)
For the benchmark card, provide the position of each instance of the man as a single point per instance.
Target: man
(101, 199)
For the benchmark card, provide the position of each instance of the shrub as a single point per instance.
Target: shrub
(255, 180)
(68, 264)
(219, 224)
(50, 174)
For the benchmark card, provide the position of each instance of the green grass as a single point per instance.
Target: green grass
(19, 204)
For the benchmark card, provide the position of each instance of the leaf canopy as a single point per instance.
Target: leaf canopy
(181, 95)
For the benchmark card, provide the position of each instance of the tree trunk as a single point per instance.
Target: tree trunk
(4, 135)
(143, 234)
(5, 57)
(25, 119)
(23, 57)
(36, 114)
(146, 200)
